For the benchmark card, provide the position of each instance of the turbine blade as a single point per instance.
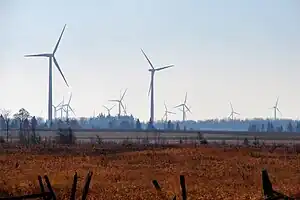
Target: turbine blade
(185, 98)
(278, 111)
(56, 46)
(112, 107)
(171, 112)
(70, 99)
(236, 113)
(178, 106)
(188, 109)
(37, 55)
(147, 59)
(59, 104)
(114, 100)
(72, 110)
(61, 73)
(123, 95)
(166, 106)
(231, 106)
(161, 68)
(277, 102)
(105, 107)
(123, 107)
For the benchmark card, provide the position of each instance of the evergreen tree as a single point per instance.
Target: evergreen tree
(298, 127)
(290, 127)
(33, 125)
(138, 124)
(177, 127)
(169, 126)
(262, 128)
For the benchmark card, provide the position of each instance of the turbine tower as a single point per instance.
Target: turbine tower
(166, 113)
(119, 101)
(275, 107)
(51, 57)
(184, 106)
(151, 88)
(231, 116)
(109, 109)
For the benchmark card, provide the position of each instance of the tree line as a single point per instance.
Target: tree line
(291, 127)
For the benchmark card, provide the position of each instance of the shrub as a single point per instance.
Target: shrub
(2, 140)
(256, 141)
(203, 141)
(246, 142)
(99, 140)
(65, 136)
(35, 139)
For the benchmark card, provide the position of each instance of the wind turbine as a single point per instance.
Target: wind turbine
(109, 109)
(231, 116)
(184, 106)
(275, 107)
(68, 107)
(166, 113)
(151, 88)
(51, 57)
(57, 108)
(119, 101)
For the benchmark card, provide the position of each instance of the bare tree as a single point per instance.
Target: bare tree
(6, 117)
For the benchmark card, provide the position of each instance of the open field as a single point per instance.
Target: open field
(232, 137)
(211, 172)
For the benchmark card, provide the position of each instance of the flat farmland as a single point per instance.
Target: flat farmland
(210, 172)
(174, 137)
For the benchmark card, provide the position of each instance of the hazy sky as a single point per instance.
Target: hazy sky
(244, 51)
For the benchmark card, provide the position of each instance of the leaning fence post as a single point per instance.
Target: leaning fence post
(267, 185)
(156, 185)
(41, 185)
(73, 191)
(49, 187)
(86, 185)
(183, 188)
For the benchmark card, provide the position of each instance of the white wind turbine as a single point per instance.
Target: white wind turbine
(109, 109)
(51, 57)
(231, 116)
(57, 108)
(119, 101)
(275, 107)
(166, 113)
(151, 88)
(67, 107)
(184, 106)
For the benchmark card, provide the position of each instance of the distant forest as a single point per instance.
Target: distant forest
(23, 119)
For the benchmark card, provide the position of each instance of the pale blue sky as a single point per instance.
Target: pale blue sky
(244, 51)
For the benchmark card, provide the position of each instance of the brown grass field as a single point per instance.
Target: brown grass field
(210, 172)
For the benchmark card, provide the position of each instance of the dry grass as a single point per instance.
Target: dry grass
(210, 172)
